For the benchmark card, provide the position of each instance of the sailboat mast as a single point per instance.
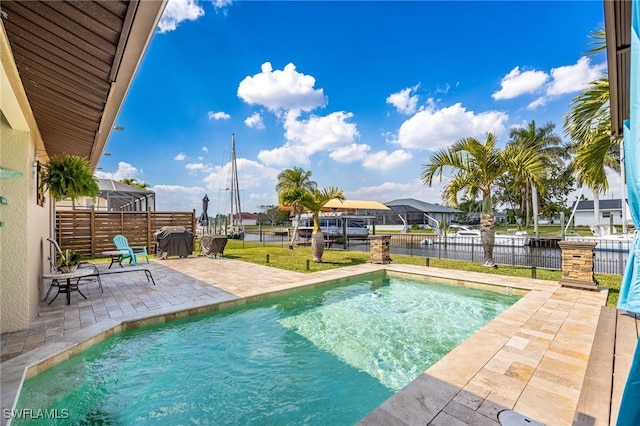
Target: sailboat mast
(235, 185)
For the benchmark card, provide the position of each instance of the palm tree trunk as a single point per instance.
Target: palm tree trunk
(534, 202)
(487, 231)
(527, 205)
(294, 236)
(596, 208)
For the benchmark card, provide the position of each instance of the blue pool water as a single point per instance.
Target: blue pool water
(326, 356)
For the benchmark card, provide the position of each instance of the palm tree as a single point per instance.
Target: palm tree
(134, 182)
(549, 148)
(289, 180)
(476, 167)
(588, 124)
(313, 201)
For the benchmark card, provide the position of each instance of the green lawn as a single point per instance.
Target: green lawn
(298, 259)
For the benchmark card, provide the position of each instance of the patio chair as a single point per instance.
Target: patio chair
(53, 268)
(132, 253)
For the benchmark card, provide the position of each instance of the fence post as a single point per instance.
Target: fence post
(473, 249)
(426, 261)
(149, 248)
(534, 260)
(92, 225)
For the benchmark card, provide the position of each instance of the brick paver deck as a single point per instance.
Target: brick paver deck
(532, 358)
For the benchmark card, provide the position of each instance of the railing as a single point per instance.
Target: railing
(610, 257)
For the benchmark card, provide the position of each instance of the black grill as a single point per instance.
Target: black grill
(173, 241)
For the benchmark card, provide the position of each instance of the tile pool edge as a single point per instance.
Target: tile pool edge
(508, 364)
(16, 370)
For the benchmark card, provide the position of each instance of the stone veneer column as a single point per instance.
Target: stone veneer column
(380, 249)
(577, 264)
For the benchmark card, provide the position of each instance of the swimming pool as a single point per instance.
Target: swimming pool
(325, 356)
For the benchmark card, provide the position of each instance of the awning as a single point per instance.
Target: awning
(344, 205)
(355, 204)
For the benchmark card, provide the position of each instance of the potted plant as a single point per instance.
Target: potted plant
(68, 260)
(69, 176)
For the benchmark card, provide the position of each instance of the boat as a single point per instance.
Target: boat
(606, 238)
(461, 234)
(235, 229)
(333, 226)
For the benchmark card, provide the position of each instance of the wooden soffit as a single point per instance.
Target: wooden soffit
(76, 61)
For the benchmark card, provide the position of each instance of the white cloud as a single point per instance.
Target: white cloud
(180, 157)
(198, 167)
(562, 80)
(261, 199)
(541, 101)
(383, 161)
(125, 171)
(220, 4)
(178, 198)
(517, 83)
(205, 149)
(220, 115)
(255, 121)
(432, 129)
(285, 155)
(383, 192)
(405, 101)
(306, 137)
(251, 174)
(321, 132)
(177, 11)
(350, 153)
(389, 191)
(574, 78)
(281, 89)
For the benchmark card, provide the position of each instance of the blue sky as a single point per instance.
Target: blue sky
(359, 93)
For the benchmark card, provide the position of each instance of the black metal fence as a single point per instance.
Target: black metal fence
(610, 255)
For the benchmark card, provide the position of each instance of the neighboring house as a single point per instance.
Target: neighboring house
(248, 219)
(409, 211)
(87, 56)
(610, 210)
(114, 196)
(474, 218)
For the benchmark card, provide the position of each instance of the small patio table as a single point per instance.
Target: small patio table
(62, 277)
(115, 256)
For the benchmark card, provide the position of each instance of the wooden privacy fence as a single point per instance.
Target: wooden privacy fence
(91, 232)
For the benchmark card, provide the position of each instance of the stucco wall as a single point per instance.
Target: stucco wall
(14, 295)
(25, 226)
(587, 219)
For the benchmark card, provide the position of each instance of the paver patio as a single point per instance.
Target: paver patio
(532, 358)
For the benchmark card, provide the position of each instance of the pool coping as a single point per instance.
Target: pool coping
(456, 379)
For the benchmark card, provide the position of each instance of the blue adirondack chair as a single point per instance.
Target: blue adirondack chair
(132, 253)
